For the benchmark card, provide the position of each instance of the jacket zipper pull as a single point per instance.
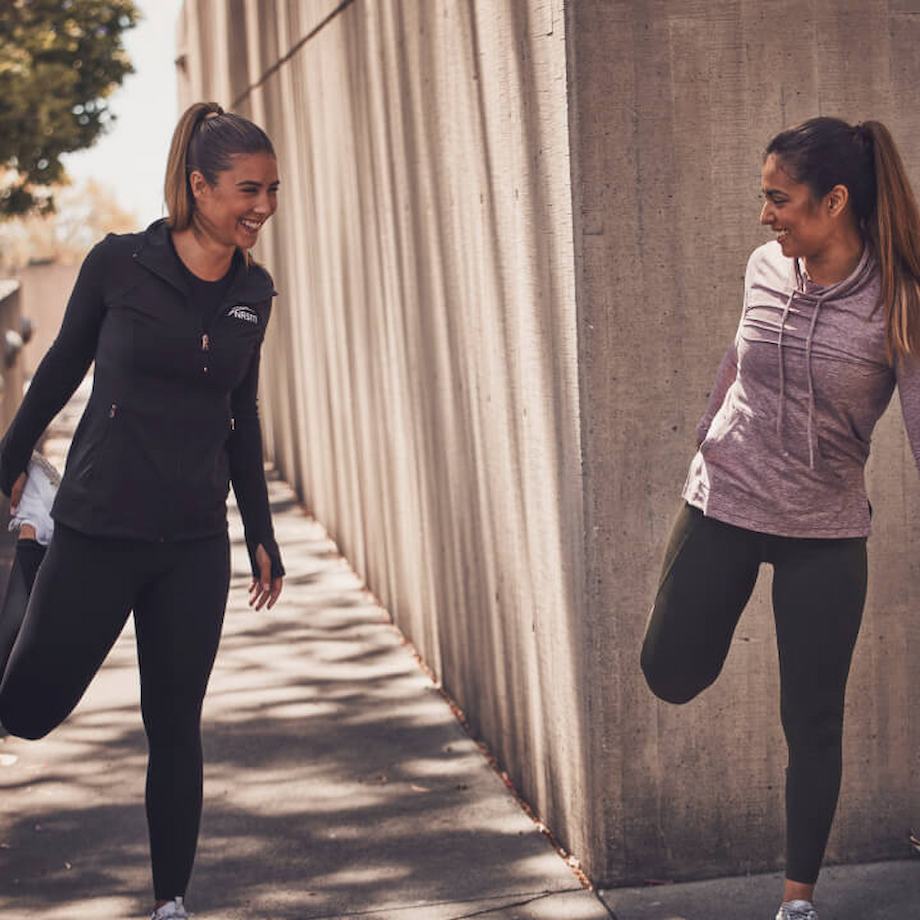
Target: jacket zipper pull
(113, 410)
(205, 341)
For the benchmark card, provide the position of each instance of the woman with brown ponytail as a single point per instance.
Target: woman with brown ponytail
(174, 319)
(830, 326)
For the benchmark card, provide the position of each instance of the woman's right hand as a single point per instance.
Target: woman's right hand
(16, 492)
(264, 589)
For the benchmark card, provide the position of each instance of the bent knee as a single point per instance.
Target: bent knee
(667, 683)
(22, 725)
(673, 693)
(29, 731)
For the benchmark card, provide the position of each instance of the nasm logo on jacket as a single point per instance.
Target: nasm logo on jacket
(247, 314)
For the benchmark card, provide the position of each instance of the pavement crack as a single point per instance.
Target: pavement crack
(524, 899)
(492, 910)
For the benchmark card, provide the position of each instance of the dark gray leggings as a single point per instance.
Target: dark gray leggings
(819, 589)
(84, 590)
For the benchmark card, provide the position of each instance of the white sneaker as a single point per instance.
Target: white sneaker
(797, 910)
(37, 497)
(174, 910)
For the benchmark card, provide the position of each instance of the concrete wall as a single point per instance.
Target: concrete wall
(45, 291)
(510, 245)
(11, 364)
(421, 385)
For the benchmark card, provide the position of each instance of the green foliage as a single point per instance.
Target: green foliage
(59, 60)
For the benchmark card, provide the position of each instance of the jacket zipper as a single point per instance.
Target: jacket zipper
(205, 340)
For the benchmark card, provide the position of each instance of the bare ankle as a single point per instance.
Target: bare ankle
(798, 891)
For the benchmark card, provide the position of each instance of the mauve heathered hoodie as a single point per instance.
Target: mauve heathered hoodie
(786, 435)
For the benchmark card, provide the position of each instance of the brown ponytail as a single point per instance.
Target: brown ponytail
(205, 139)
(895, 234)
(824, 152)
(178, 194)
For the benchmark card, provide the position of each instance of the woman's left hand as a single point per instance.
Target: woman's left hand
(264, 589)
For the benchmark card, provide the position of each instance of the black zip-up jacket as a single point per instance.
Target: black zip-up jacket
(173, 416)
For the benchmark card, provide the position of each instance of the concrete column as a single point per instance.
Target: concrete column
(672, 104)
(12, 374)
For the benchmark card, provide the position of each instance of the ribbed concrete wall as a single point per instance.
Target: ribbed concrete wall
(490, 403)
(421, 390)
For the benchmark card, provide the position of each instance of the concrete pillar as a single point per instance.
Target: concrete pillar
(12, 375)
(672, 103)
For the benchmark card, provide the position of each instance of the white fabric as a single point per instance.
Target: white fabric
(37, 497)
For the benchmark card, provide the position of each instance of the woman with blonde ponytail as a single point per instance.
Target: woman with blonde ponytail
(174, 319)
(830, 326)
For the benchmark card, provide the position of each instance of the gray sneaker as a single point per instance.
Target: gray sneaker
(174, 910)
(797, 910)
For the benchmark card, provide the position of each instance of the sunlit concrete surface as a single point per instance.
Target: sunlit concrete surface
(338, 782)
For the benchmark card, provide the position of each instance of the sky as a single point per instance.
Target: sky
(130, 159)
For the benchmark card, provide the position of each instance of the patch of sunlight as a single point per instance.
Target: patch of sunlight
(214, 846)
(255, 696)
(578, 906)
(441, 768)
(284, 710)
(354, 876)
(300, 710)
(94, 907)
(264, 800)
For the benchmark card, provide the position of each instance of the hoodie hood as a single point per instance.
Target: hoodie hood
(251, 283)
(809, 301)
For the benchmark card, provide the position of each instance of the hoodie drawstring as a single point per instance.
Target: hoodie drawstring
(782, 368)
(812, 440)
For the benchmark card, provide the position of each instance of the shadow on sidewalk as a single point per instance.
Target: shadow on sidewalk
(337, 782)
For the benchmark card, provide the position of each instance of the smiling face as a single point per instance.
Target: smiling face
(804, 226)
(232, 211)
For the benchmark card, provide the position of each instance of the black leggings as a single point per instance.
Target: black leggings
(819, 589)
(85, 588)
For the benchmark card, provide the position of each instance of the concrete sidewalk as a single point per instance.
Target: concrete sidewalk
(338, 782)
(338, 785)
(878, 891)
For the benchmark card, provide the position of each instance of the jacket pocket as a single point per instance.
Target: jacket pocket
(91, 443)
